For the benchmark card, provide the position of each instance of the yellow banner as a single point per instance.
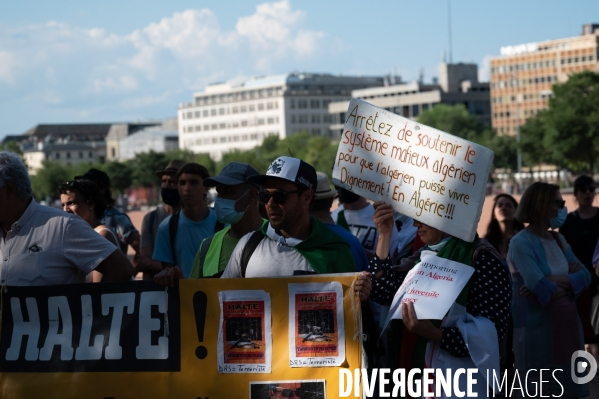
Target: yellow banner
(139, 340)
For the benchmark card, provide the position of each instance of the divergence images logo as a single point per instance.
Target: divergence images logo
(582, 362)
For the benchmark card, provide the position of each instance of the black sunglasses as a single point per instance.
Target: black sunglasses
(589, 189)
(560, 204)
(280, 197)
(70, 186)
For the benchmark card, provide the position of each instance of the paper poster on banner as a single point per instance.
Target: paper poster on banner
(316, 332)
(312, 389)
(245, 334)
(424, 173)
(432, 285)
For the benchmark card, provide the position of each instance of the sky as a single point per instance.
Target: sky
(132, 60)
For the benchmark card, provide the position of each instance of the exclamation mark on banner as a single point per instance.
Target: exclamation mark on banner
(200, 302)
(449, 212)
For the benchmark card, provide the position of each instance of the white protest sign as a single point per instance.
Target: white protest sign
(432, 285)
(424, 173)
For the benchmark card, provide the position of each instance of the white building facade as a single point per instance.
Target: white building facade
(240, 113)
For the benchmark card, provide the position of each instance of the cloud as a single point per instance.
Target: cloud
(484, 72)
(7, 67)
(89, 71)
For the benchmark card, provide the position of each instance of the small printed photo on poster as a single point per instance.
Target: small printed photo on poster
(303, 389)
(245, 336)
(316, 328)
(316, 325)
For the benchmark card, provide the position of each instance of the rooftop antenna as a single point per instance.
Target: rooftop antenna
(449, 29)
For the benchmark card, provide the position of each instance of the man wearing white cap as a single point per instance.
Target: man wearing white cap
(293, 242)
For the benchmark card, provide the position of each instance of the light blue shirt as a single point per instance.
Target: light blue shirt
(189, 237)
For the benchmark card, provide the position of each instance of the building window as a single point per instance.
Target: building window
(292, 104)
(213, 112)
(198, 128)
(302, 104)
(223, 139)
(244, 123)
(189, 115)
(269, 105)
(315, 118)
(235, 110)
(214, 140)
(293, 120)
(415, 110)
(206, 127)
(91, 155)
(214, 127)
(221, 111)
(243, 108)
(314, 104)
(260, 121)
(270, 121)
(80, 155)
(260, 107)
(205, 112)
(252, 107)
(197, 114)
(222, 126)
(303, 118)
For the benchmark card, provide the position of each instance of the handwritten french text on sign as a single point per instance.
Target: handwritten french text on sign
(426, 174)
(432, 285)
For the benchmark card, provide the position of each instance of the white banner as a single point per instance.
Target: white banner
(432, 285)
(424, 173)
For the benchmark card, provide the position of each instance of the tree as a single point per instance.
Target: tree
(47, 179)
(456, 120)
(144, 167)
(572, 122)
(120, 174)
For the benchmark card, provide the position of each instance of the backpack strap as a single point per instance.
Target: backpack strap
(218, 226)
(249, 249)
(173, 226)
(342, 221)
(204, 247)
(152, 220)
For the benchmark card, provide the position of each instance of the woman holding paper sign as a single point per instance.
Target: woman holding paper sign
(484, 301)
(547, 279)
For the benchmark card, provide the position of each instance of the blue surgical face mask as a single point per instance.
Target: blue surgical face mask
(225, 210)
(558, 220)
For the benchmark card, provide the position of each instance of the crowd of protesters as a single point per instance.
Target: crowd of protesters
(529, 305)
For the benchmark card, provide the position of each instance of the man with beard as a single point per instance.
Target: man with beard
(293, 242)
(151, 221)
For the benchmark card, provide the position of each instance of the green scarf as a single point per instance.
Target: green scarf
(325, 251)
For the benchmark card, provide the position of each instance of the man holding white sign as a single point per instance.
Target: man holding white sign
(439, 180)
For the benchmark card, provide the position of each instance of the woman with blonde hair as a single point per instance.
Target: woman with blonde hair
(547, 278)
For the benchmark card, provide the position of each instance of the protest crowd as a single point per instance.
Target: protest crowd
(530, 298)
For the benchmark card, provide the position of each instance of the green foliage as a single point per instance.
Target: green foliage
(52, 174)
(567, 133)
(572, 121)
(456, 120)
(121, 175)
(11, 146)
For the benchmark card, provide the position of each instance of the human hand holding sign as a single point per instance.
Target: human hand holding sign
(424, 328)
